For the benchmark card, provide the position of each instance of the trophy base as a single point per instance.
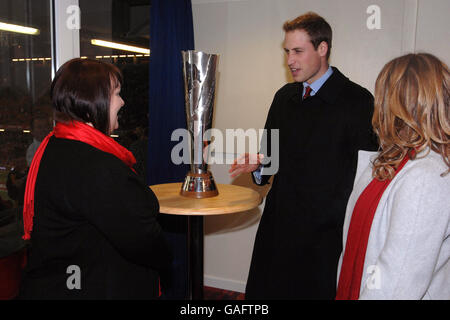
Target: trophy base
(199, 186)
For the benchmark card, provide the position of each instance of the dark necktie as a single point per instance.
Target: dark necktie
(307, 92)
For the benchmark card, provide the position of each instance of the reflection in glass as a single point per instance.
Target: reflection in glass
(25, 76)
(125, 22)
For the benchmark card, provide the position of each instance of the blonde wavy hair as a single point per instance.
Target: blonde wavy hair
(412, 111)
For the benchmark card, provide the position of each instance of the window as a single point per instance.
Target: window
(123, 22)
(26, 69)
(25, 76)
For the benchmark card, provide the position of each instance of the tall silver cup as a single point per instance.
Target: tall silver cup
(199, 70)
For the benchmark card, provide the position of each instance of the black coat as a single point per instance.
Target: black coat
(92, 212)
(299, 239)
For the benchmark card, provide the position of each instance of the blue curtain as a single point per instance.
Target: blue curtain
(171, 30)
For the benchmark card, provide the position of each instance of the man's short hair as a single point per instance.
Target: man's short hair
(315, 26)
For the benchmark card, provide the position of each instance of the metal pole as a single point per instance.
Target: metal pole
(195, 252)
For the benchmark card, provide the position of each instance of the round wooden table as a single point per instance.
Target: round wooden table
(231, 199)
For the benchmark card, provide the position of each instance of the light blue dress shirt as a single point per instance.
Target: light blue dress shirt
(316, 85)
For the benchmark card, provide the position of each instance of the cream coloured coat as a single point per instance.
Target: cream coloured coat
(408, 253)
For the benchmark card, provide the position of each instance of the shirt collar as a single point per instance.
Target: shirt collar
(316, 85)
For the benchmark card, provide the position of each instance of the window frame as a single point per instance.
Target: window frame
(65, 41)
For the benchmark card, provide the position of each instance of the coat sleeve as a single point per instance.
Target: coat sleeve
(125, 211)
(362, 135)
(272, 123)
(417, 230)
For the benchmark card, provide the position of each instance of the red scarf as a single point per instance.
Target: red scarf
(74, 131)
(358, 237)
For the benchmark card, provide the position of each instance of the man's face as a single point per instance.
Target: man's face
(305, 62)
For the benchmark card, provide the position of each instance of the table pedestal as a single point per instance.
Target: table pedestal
(195, 257)
(231, 199)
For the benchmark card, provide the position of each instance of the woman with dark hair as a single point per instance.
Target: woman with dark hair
(397, 225)
(90, 221)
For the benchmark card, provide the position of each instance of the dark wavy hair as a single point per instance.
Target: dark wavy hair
(81, 91)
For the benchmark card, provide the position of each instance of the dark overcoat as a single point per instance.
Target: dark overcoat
(95, 234)
(299, 238)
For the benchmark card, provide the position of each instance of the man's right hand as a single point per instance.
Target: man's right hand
(246, 163)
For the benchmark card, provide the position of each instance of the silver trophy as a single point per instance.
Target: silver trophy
(199, 70)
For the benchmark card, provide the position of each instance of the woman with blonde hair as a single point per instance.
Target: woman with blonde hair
(397, 225)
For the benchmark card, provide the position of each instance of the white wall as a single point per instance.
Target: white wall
(248, 36)
(433, 28)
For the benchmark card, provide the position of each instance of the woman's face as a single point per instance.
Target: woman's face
(115, 104)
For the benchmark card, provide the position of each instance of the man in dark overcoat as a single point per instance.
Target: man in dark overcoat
(323, 120)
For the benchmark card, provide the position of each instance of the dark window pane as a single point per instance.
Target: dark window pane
(25, 76)
(123, 22)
